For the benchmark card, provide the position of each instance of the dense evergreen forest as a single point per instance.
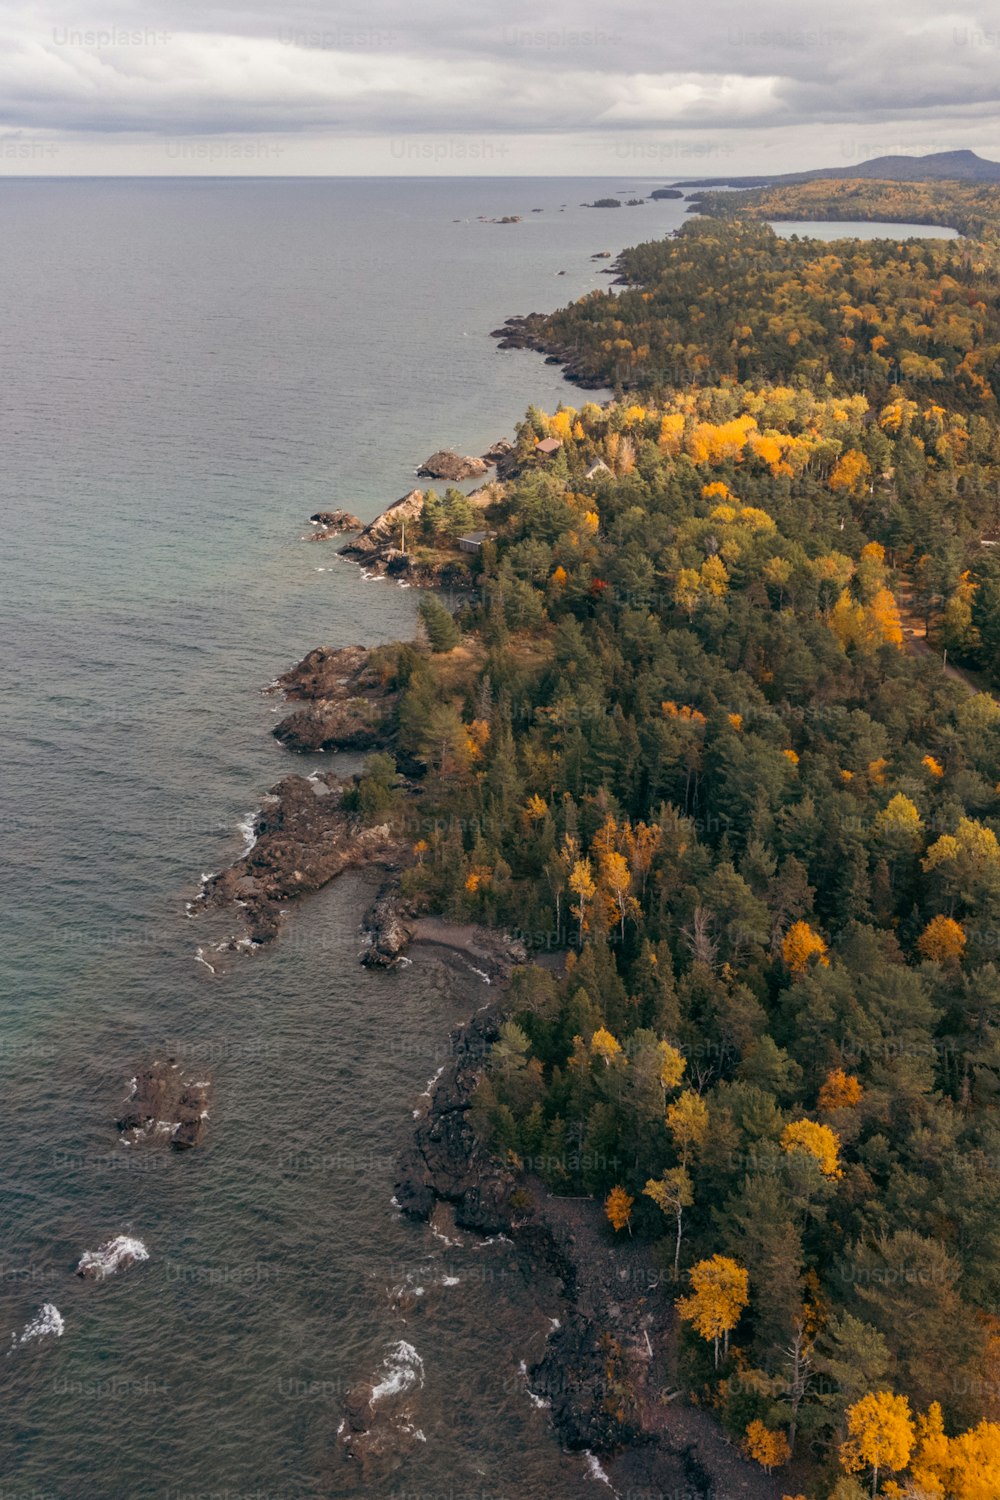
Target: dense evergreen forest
(684, 732)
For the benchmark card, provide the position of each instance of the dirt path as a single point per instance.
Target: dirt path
(915, 640)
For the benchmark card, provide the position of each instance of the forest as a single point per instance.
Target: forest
(689, 733)
(969, 207)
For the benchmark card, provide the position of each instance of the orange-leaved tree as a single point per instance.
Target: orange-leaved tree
(942, 941)
(768, 1446)
(720, 1290)
(618, 1208)
(880, 1435)
(839, 1090)
(687, 1121)
(802, 944)
(818, 1141)
(672, 1193)
(966, 1467)
(581, 883)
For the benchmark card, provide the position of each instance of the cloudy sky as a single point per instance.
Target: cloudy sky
(532, 86)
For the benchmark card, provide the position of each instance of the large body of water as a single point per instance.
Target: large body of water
(860, 229)
(189, 368)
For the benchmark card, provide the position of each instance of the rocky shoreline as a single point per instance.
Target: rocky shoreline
(348, 705)
(305, 837)
(529, 332)
(378, 546)
(608, 1371)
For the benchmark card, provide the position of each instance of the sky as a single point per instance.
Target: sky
(532, 87)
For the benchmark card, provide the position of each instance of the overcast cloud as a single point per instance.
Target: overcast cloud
(545, 87)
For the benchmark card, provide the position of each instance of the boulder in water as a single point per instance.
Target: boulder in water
(451, 466)
(164, 1104)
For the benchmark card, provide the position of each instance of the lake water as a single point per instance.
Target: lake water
(860, 229)
(189, 369)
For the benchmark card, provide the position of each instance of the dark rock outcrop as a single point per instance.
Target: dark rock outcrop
(519, 332)
(451, 466)
(165, 1104)
(584, 1377)
(388, 925)
(531, 332)
(330, 523)
(348, 703)
(354, 724)
(497, 450)
(324, 672)
(304, 838)
(359, 1408)
(446, 1162)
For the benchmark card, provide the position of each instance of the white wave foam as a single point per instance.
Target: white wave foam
(536, 1401)
(449, 1281)
(246, 827)
(47, 1320)
(402, 1370)
(428, 1090)
(443, 1237)
(483, 976)
(595, 1471)
(114, 1255)
(199, 958)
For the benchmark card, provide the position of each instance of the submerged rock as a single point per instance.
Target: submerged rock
(164, 1104)
(359, 1408)
(332, 523)
(114, 1255)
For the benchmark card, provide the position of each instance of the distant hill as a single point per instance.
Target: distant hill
(940, 166)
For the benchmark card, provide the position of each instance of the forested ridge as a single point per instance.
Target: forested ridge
(679, 734)
(969, 207)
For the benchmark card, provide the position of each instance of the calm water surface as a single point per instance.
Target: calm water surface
(188, 369)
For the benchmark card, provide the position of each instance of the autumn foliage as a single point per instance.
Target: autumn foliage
(719, 1293)
(801, 946)
(766, 1445)
(618, 1208)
